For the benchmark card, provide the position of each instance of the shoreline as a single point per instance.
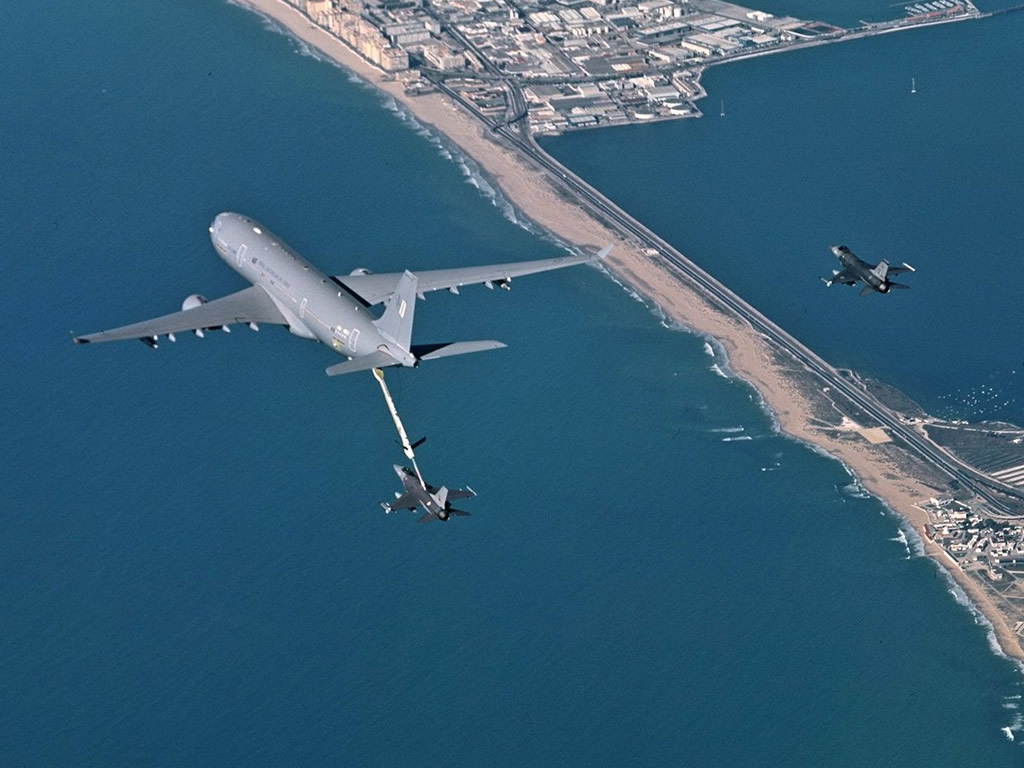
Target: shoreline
(785, 390)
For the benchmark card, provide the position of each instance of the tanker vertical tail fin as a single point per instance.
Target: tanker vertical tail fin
(396, 322)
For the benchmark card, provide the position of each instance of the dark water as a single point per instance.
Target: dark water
(193, 568)
(828, 145)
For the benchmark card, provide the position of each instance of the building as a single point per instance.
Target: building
(443, 57)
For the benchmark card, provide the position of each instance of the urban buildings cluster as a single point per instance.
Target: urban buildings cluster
(578, 63)
(975, 540)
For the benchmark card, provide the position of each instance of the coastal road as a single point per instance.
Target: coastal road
(832, 378)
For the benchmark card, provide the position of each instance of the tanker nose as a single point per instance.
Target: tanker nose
(220, 235)
(218, 223)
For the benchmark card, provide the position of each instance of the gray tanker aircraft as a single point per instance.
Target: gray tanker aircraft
(436, 502)
(288, 290)
(875, 277)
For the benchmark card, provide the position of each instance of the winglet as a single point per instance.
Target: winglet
(603, 252)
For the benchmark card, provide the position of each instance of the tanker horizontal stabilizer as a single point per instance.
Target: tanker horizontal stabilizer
(435, 351)
(364, 363)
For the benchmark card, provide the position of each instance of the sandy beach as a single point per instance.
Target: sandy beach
(795, 399)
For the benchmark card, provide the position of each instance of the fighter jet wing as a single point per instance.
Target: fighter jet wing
(460, 493)
(251, 305)
(843, 277)
(405, 501)
(375, 288)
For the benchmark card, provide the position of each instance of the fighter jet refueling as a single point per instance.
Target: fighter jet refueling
(288, 290)
(436, 502)
(875, 277)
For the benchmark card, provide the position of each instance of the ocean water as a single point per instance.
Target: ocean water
(193, 567)
(845, 13)
(828, 145)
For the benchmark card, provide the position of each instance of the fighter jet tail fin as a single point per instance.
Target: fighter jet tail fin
(461, 493)
(881, 270)
(396, 322)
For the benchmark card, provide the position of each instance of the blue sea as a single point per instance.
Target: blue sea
(193, 566)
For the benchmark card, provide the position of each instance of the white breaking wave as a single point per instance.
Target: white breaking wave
(915, 544)
(854, 490)
(726, 430)
(1013, 727)
(740, 437)
(714, 349)
(901, 537)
